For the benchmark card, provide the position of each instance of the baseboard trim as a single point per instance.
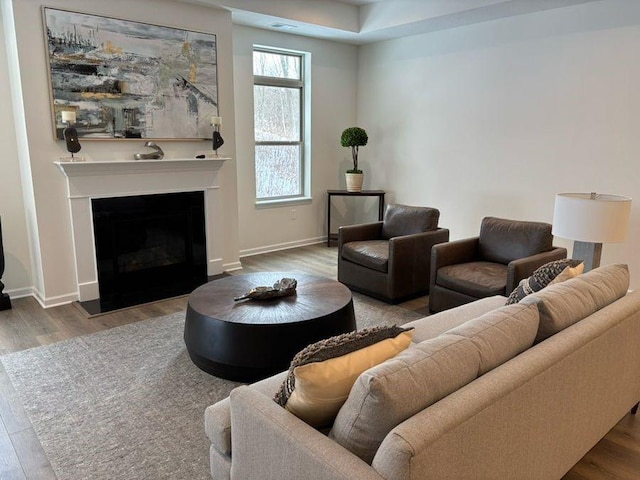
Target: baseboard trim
(281, 246)
(57, 301)
(230, 267)
(20, 292)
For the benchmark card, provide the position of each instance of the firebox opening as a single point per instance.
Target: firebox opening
(148, 247)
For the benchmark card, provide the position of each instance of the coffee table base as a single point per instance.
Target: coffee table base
(231, 372)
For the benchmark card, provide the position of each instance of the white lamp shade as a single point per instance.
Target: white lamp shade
(595, 218)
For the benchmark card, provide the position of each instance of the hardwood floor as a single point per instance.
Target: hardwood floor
(27, 325)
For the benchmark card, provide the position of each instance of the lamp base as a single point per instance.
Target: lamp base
(589, 253)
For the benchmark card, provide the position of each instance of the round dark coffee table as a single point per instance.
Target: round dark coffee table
(253, 339)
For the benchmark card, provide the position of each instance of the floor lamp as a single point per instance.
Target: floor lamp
(591, 219)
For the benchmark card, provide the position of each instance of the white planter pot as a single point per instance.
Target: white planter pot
(354, 182)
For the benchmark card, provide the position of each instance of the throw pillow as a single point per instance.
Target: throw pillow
(568, 273)
(321, 376)
(540, 278)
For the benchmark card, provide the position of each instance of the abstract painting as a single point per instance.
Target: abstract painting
(126, 79)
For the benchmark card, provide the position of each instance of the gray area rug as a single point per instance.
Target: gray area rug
(128, 403)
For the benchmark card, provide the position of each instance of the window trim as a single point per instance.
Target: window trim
(305, 136)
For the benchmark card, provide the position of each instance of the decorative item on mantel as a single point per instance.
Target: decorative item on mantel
(354, 137)
(5, 301)
(70, 135)
(217, 140)
(157, 154)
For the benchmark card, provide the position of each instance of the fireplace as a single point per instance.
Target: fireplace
(91, 181)
(148, 247)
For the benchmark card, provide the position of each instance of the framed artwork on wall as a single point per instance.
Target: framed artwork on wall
(124, 79)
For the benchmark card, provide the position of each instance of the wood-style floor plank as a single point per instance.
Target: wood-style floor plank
(10, 468)
(617, 456)
(12, 415)
(33, 460)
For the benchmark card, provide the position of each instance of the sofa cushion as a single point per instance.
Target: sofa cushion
(503, 240)
(373, 254)
(566, 303)
(501, 334)
(545, 275)
(389, 393)
(402, 220)
(438, 323)
(477, 279)
(321, 376)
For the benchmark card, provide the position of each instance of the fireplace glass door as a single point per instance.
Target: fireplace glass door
(149, 247)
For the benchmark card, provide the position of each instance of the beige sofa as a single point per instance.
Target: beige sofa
(532, 416)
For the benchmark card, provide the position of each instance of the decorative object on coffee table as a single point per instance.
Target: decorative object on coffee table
(247, 341)
(5, 301)
(282, 288)
(354, 137)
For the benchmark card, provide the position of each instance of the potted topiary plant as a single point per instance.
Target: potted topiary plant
(354, 137)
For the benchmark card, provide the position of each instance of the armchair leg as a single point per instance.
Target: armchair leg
(634, 410)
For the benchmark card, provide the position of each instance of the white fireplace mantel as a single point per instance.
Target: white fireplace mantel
(123, 167)
(118, 178)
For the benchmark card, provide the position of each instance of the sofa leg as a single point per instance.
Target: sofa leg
(634, 410)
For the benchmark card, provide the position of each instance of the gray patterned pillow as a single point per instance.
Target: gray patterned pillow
(542, 277)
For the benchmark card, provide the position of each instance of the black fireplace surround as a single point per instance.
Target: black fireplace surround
(148, 247)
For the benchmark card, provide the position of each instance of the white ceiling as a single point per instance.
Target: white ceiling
(366, 21)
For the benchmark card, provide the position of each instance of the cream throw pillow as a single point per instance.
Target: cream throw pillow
(322, 387)
(568, 273)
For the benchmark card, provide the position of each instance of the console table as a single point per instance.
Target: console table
(344, 193)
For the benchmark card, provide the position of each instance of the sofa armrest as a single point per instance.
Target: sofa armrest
(269, 443)
(522, 268)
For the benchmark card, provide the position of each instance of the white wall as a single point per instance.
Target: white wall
(17, 275)
(333, 104)
(58, 283)
(495, 118)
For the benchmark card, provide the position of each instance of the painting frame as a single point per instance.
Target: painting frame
(130, 80)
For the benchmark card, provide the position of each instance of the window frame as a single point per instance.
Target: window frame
(303, 142)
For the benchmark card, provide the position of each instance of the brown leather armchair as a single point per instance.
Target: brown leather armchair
(390, 260)
(505, 252)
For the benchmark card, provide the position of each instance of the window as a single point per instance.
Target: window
(279, 99)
